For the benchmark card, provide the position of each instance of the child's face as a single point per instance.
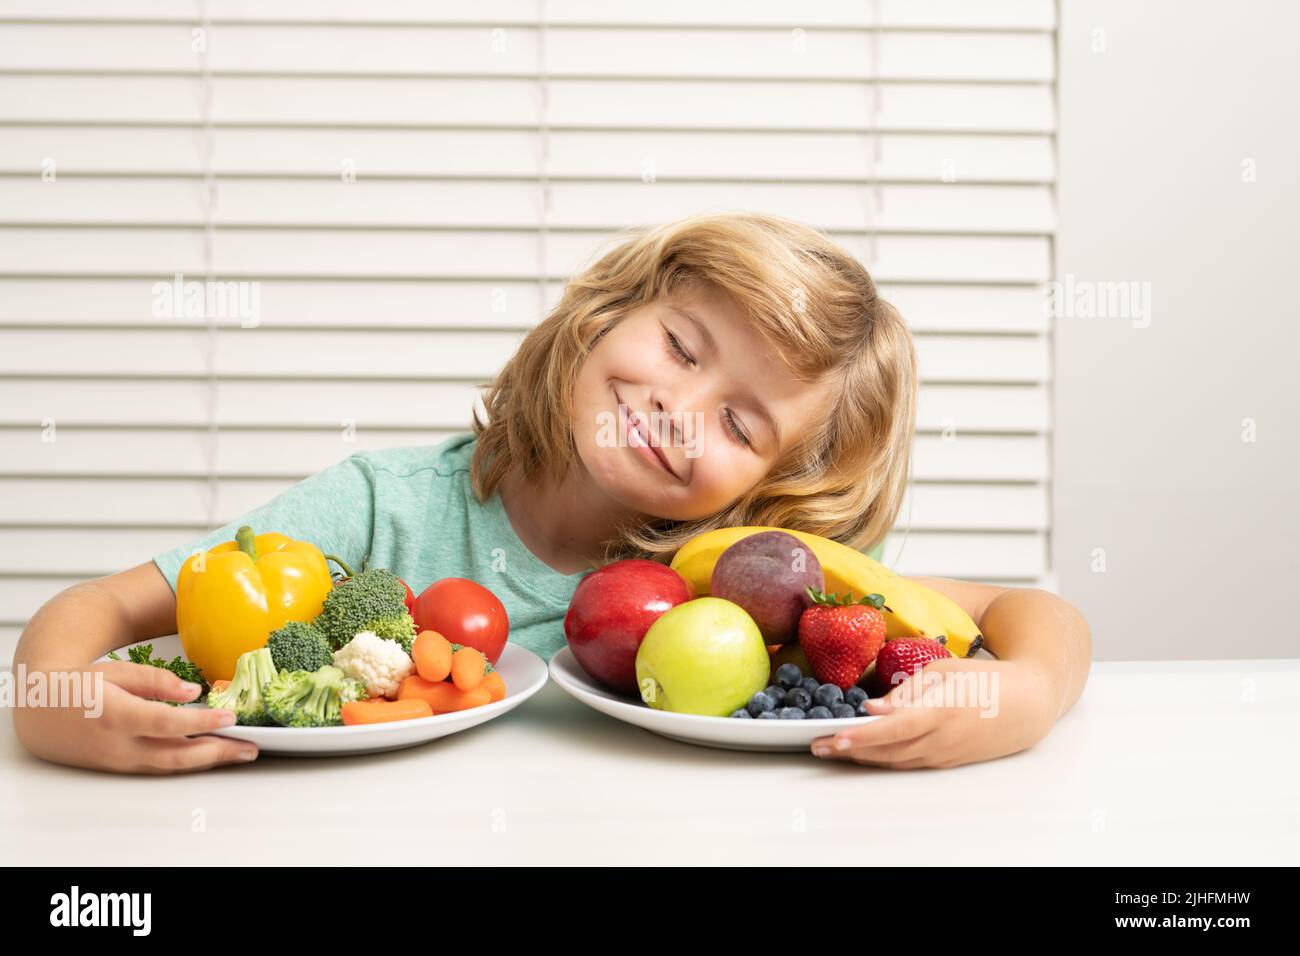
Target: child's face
(720, 415)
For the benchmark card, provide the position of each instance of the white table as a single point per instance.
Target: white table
(1158, 763)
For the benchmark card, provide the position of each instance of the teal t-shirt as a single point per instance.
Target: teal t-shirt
(413, 510)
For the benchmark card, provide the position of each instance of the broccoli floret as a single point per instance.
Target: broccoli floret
(394, 627)
(311, 698)
(356, 604)
(298, 646)
(245, 694)
(143, 654)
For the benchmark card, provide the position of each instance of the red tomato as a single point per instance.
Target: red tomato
(464, 612)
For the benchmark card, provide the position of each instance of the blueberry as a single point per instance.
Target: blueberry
(776, 692)
(798, 697)
(843, 710)
(742, 713)
(769, 715)
(810, 684)
(789, 675)
(828, 695)
(791, 713)
(820, 713)
(854, 696)
(759, 703)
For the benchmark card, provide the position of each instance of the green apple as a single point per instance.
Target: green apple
(704, 656)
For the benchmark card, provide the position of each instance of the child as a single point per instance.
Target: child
(725, 370)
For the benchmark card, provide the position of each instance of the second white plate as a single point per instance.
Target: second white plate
(729, 733)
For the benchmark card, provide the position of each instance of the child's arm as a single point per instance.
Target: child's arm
(1044, 648)
(1028, 624)
(75, 628)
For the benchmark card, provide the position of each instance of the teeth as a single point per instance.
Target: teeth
(637, 433)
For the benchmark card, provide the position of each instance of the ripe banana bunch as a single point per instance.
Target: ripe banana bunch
(912, 609)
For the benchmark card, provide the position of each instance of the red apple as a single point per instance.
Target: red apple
(612, 609)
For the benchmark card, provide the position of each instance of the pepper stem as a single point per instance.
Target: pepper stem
(247, 541)
(341, 563)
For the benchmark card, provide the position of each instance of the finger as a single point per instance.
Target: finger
(151, 718)
(904, 724)
(183, 755)
(144, 680)
(902, 755)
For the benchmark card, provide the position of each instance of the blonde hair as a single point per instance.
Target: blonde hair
(845, 479)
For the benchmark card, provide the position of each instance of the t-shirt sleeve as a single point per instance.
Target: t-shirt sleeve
(334, 509)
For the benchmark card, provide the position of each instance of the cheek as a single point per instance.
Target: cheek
(724, 471)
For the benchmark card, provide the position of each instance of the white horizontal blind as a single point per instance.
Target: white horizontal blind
(409, 184)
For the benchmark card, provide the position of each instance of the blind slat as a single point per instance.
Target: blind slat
(593, 206)
(623, 104)
(433, 305)
(988, 14)
(277, 403)
(346, 354)
(260, 253)
(621, 155)
(75, 502)
(607, 52)
(299, 453)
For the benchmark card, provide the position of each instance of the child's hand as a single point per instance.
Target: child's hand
(927, 722)
(132, 734)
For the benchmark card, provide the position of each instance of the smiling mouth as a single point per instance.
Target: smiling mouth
(637, 424)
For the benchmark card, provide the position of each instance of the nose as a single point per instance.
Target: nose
(675, 403)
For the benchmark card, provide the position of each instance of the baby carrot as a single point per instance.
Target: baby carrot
(432, 655)
(442, 696)
(381, 711)
(495, 685)
(468, 665)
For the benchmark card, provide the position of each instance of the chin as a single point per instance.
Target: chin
(624, 481)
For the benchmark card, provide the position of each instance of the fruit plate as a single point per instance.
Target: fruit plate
(728, 733)
(523, 671)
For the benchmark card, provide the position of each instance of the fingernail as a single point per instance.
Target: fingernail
(189, 687)
(821, 750)
(226, 718)
(841, 744)
(248, 753)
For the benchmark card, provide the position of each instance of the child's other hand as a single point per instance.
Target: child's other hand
(132, 734)
(952, 712)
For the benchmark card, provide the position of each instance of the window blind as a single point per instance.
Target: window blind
(401, 189)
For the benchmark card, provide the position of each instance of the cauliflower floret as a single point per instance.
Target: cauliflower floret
(377, 662)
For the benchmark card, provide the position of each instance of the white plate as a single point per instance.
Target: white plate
(729, 733)
(521, 669)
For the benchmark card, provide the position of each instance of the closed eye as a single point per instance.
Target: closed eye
(676, 346)
(739, 435)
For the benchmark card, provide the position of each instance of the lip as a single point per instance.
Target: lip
(650, 452)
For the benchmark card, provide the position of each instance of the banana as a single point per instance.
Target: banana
(912, 609)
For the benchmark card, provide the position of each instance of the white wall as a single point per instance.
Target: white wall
(1199, 528)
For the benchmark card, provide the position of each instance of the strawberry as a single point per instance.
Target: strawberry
(840, 636)
(904, 656)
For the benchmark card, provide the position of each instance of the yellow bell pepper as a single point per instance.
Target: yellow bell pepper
(230, 599)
